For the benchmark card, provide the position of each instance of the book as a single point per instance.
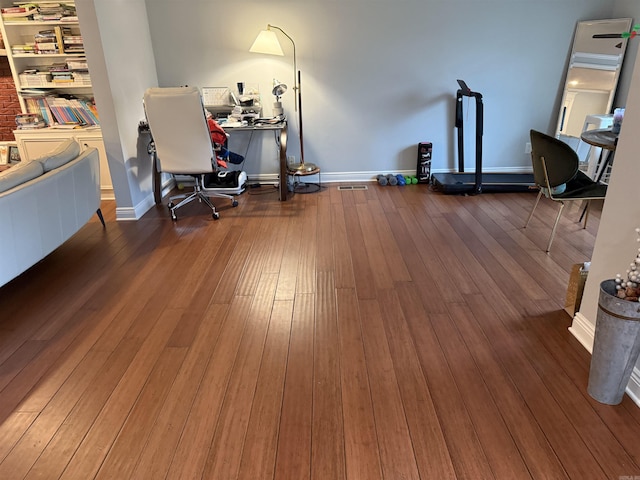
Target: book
(59, 38)
(62, 111)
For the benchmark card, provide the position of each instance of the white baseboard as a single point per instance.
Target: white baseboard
(585, 332)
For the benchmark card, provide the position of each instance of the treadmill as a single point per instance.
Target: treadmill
(462, 182)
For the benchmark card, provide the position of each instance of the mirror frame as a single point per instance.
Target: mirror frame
(597, 55)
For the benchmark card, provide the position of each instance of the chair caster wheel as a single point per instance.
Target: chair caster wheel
(215, 215)
(174, 217)
(234, 203)
(170, 205)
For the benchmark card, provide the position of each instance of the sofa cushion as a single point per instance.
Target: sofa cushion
(21, 173)
(64, 153)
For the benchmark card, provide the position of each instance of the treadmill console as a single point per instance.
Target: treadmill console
(463, 86)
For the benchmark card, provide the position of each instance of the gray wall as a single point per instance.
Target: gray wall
(380, 76)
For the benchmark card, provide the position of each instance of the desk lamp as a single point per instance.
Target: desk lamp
(278, 90)
(267, 42)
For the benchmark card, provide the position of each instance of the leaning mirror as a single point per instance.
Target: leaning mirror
(592, 75)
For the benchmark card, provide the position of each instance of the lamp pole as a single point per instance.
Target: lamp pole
(303, 167)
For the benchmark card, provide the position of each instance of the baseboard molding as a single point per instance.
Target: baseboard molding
(133, 213)
(585, 332)
(107, 194)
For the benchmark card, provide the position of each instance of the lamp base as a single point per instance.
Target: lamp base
(303, 167)
(277, 109)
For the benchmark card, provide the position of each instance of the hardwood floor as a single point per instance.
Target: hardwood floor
(392, 333)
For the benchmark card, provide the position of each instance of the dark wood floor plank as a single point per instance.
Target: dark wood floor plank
(342, 264)
(259, 451)
(158, 453)
(429, 445)
(324, 246)
(224, 454)
(327, 444)
(294, 439)
(391, 332)
(288, 273)
(570, 448)
(13, 429)
(85, 463)
(120, 460)
(496, 439)
(457, 426)
(362, 269)
(68, 437)
(532, 443)
(380, 268)
(362, 456)
(42, 430)
(306, 276)
(397, 457)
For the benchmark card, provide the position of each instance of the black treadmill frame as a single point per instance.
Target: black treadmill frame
(477, 182)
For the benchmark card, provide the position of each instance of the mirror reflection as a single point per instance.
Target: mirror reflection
(592, 76)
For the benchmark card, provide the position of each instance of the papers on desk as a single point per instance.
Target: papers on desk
(233, 124)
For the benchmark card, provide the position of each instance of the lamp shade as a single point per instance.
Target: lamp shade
(267, 42)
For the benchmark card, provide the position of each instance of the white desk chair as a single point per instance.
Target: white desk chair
(179, 129)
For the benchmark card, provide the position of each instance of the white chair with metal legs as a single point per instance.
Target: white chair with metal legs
(180, 132)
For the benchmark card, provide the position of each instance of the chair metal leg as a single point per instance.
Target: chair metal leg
(586, 213)
(533, 209)
(553, 231)
(99, 213)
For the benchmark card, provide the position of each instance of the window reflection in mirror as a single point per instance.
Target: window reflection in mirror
(592, 76)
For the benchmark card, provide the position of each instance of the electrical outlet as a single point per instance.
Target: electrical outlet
(291, 159)
(527, 147)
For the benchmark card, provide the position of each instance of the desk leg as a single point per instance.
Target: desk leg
(603, 168)
(157, 180)
(282, 144)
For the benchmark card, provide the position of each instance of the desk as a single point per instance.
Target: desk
(605, 139)
(280, 135)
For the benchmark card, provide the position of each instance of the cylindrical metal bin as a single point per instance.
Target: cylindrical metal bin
(616, 345)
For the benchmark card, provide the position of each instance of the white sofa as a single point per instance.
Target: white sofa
(43, 203)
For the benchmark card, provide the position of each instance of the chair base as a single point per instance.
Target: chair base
(201, 196)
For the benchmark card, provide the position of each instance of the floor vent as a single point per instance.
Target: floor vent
(352, 187)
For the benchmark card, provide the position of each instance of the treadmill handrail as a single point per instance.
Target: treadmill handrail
(479, 132)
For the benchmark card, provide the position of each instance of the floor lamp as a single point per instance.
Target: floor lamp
(267, 42)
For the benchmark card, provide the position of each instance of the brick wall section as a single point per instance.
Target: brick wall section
(9, 104)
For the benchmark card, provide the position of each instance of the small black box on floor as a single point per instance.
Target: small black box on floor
(230, 182)
(423, 170)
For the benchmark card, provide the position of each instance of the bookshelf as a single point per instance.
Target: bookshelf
(43, 44)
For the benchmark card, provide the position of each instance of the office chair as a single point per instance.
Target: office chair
(556, 172)
(179, 130)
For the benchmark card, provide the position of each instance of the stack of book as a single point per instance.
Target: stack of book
(51, 11)
(19, 49)
(29, 121)
(31, 77)
(46, 42)
(72, 43)
(60, 73)
(21, 12)
(56, 111)
(73, 111)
